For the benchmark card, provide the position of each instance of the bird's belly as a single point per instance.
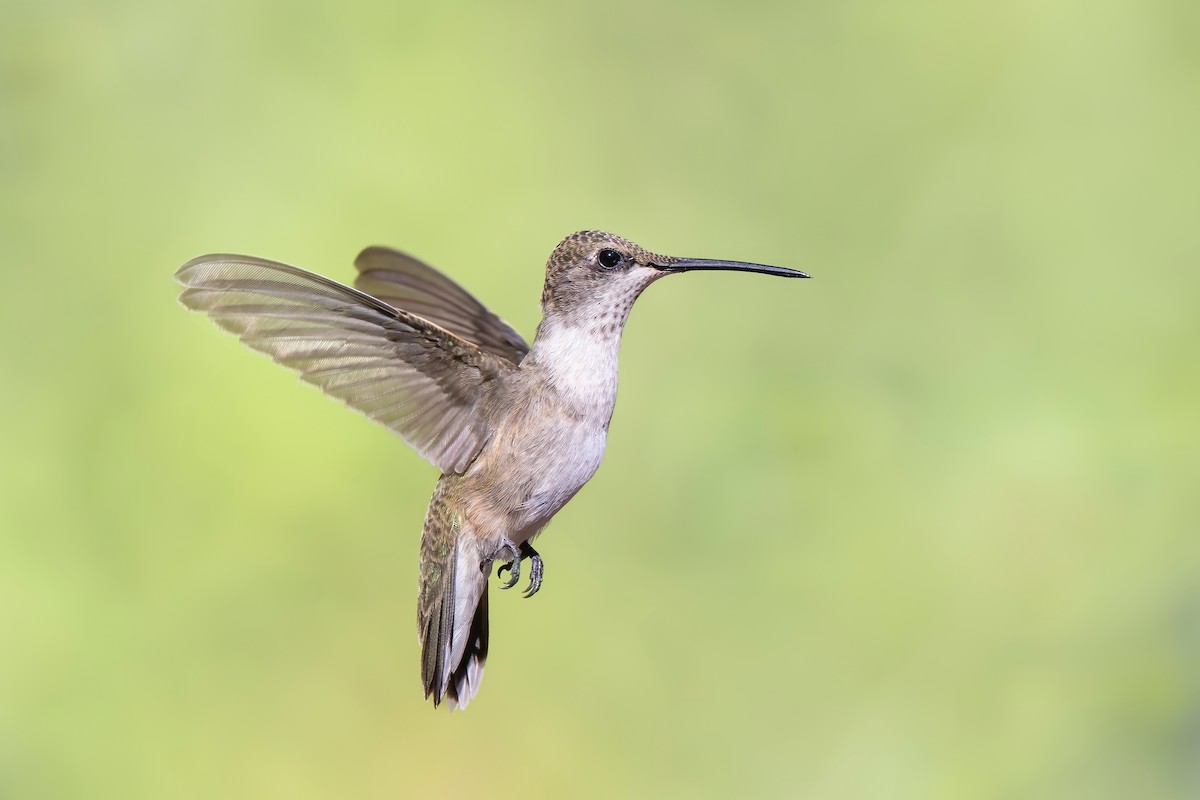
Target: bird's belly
(534, 473)
(563, 474)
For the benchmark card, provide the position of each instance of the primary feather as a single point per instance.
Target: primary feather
(399, 368)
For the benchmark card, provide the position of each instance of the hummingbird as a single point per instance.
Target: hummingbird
(515, 429)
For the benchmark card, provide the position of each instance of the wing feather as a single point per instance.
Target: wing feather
(424, 381)
(410, 284)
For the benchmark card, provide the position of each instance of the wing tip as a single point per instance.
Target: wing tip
(185, 275)
(371, 253)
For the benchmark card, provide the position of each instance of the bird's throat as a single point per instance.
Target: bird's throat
(579, 363)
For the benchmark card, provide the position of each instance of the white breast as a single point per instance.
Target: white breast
(578, 389)
(582, 366)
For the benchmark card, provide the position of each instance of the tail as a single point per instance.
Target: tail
(452, 609)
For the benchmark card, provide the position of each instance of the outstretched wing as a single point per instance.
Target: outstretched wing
(412, 285)
(415, 377)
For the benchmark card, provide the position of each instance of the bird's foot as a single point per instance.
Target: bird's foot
(508, 550)
(536, 568)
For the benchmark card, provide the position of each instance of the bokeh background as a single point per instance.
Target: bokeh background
(923, 527)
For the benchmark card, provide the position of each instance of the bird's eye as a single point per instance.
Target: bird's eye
(608, 258)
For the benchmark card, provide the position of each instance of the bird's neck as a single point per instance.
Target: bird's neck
(579, 361)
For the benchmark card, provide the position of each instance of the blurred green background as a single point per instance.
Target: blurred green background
(924, 527)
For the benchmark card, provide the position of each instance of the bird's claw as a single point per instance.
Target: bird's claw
(514, 567)
(509, 551)
(536, 568)
(535, 573)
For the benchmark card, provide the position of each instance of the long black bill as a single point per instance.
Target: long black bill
(689, 264)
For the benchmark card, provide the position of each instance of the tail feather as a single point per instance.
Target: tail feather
(436, 631)
(464, 680)
(452, 611)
